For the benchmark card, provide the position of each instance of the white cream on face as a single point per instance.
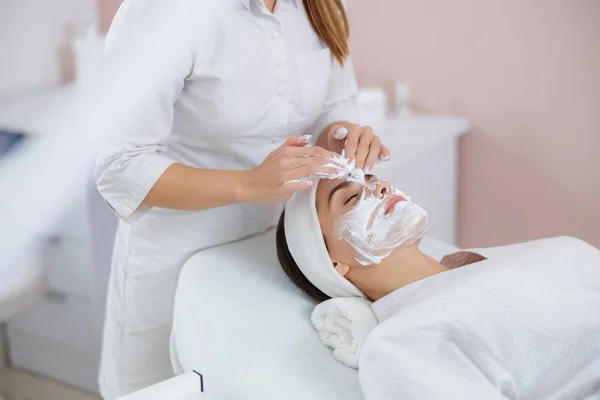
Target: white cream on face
(346, 169)
(375, 234)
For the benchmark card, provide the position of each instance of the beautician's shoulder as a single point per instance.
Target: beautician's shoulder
(183, 12)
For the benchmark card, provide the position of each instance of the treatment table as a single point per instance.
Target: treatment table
(246, 328)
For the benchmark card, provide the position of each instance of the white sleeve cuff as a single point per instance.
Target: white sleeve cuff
(130, 208)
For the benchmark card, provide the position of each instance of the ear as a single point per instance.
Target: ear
(340, 267)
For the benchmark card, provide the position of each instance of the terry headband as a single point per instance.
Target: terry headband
(307, 246)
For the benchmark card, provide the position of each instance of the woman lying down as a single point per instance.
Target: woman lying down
(515, 322)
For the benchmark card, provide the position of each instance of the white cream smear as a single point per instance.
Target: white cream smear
(345, 168)
(375, 234)
(367, 228)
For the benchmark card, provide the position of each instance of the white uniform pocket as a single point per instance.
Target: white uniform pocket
(314, 70)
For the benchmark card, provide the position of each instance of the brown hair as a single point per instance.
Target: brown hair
(328, 18)
(291, 268)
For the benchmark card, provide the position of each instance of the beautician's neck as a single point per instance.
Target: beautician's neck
(402, 268)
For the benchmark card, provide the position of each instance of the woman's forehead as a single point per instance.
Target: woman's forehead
(327, 185)
(323, 190)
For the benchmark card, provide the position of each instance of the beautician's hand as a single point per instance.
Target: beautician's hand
(359, 142)
(269, 183)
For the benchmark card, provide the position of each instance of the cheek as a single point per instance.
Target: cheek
(341, 250)
(338, 249)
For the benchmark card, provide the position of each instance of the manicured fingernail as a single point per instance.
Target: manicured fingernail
(305, 138)
(368, 169)
(341, 133)
(309, 183)
(384, 157)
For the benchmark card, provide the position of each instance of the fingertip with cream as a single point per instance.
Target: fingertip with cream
(305, 138)
(341, 133)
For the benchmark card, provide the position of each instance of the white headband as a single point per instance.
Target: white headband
(306, 244)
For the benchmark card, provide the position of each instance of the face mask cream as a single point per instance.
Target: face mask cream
(373, 233)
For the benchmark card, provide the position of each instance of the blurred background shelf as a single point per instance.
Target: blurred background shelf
(60, 335)
(38, 112)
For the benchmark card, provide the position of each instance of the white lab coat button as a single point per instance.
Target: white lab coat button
(275, 35)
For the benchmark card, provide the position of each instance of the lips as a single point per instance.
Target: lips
(389, 207)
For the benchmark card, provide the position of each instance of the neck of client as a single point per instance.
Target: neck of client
(401, 268)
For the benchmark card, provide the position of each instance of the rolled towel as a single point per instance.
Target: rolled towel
(343, 324)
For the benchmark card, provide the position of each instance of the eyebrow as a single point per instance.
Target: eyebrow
(344, 185)
(341, 186)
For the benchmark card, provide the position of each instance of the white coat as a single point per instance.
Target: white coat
(221, 84)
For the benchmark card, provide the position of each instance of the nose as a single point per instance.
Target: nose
(382, 188)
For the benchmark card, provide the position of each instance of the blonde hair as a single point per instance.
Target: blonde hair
(328, 18)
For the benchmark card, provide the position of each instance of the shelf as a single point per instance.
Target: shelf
(424, 126)
(37, 114)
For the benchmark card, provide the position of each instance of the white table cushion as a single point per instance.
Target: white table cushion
(240, 322)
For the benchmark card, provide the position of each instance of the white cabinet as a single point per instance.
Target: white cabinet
(59, 337)
(424, 165)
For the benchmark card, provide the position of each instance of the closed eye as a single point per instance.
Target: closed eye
(368, 178)
(350, 199)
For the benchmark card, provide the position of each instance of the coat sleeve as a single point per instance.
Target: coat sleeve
(148, 56)
(341, 100)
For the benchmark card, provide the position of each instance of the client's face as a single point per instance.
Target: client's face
(363, 225)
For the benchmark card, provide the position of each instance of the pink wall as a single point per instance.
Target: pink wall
(527, 74)
(108, 8)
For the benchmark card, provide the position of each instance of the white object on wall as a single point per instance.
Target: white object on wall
(402, 100)
(372, 106)
(88, 48)
(34, 35)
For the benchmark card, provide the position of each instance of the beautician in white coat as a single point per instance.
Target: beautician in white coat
(211, 145)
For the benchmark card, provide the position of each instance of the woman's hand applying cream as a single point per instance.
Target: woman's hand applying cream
(285, 171)
(359, 142)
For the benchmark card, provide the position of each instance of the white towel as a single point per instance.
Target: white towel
(523, 324)
(343, 324)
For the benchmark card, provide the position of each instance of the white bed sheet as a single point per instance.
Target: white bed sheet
(240, 322)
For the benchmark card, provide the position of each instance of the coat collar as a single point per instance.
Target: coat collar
(246, 3)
